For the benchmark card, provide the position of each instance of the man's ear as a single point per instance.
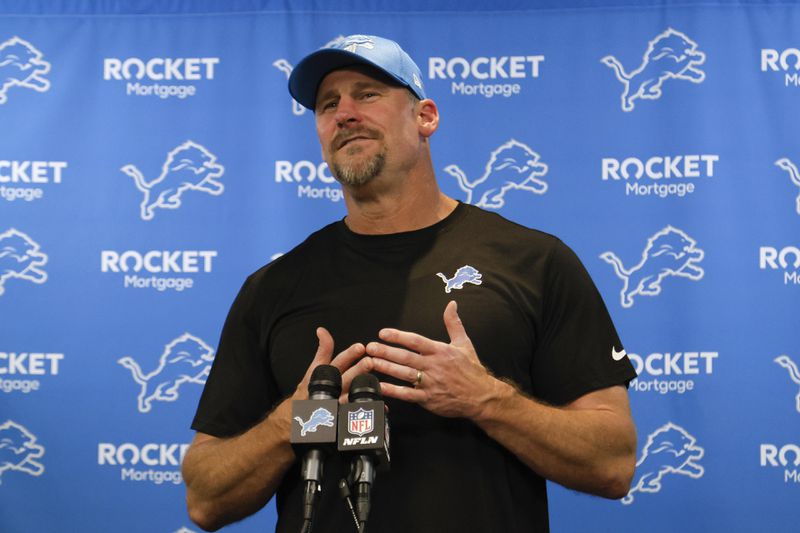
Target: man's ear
(427, 117)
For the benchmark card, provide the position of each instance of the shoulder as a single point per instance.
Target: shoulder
(497, 228)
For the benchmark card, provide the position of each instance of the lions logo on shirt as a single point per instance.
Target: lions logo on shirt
(465, 274)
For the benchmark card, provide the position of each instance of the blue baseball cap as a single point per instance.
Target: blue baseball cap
(370, 50)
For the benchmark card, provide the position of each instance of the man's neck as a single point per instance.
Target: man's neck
(372, 211)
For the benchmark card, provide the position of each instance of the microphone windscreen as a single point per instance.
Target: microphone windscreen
(326, 378)
(365, 386)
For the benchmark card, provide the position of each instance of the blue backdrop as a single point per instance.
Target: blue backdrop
(151, 158)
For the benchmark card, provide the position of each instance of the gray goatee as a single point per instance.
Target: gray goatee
(359, 173)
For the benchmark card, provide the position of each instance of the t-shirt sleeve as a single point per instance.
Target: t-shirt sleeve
(240, 389)
(578, 341)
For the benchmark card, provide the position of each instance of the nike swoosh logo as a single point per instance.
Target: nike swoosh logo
(617, 356)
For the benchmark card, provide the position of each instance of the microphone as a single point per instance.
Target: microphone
(315, 431)
(364, 432)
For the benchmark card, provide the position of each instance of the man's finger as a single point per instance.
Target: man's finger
(364, 366)
(321, 357)
(348, 357)
(454, 326)
(407, 394)
(325, 348)
(396, 355)
(389, 368)
(412, 341)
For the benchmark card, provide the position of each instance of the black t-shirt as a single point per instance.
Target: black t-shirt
(526, 302)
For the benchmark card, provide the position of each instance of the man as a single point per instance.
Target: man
(497, 357)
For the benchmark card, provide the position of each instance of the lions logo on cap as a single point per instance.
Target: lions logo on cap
(352, 43)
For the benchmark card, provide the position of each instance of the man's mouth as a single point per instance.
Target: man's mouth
(347, 141)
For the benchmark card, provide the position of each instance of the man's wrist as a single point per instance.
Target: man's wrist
(498, 396)
(279, 424)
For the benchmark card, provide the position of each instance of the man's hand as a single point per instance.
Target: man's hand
(452, 381)
(588, 444)
(350, 362)
(233, 477)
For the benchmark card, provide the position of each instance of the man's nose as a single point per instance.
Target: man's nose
(347, 112)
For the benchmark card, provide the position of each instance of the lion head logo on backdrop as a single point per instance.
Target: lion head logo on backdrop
(20, 258)
(512, 166)
(669, 450)
(18, 450)
(21, 65)
(671, 55)
(670, 252)
(189, 166)
(186, 359)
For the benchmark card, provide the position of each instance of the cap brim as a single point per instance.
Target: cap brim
(308, 74)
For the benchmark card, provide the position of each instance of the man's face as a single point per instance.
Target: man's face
(365, 125)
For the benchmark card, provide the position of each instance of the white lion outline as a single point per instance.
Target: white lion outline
(286, 67)
(670, 55)
(20, 258)
(21, 65)
(669, 450)
(794, 175)
(513, 165)
(189, 166)
(794, 374)
(670, 252)
(18, 450)
(186, 359)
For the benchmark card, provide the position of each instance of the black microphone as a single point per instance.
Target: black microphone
(364, 432)
(315, 432)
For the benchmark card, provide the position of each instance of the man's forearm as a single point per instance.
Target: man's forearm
(229, 479)
(589, 447)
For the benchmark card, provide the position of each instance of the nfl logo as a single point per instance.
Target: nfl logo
(360, 422)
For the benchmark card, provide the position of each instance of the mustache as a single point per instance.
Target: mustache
(344, 137)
